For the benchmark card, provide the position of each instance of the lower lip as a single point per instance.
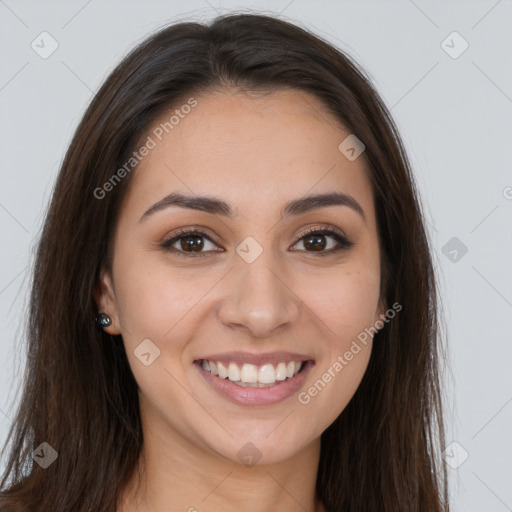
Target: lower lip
(256, 396)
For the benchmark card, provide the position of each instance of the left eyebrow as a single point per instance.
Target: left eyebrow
(215, 206)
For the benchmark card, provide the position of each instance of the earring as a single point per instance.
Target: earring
(103, 320)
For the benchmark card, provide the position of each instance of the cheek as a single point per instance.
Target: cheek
(154, 300)
(332, 386)
(345, 303)
(157, 303)
(345, 300)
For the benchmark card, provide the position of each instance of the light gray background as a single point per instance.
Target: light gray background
(454, 115)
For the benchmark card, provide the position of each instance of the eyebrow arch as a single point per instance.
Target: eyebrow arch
(217, 206)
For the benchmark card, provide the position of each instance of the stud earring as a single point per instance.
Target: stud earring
(103, 320)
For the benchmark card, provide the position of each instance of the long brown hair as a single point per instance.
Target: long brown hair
(383, 451)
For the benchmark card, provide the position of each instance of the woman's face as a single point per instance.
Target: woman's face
(252, 291)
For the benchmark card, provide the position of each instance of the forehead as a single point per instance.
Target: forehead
(248, 150)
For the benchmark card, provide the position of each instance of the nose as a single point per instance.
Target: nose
(258, 299)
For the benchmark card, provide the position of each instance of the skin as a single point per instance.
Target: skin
(256, 153)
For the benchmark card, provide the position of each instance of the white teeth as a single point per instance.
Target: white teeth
(251, 375)
(281, 371)
(267, 374)
(223, 371)
(253, 385)
(233, 372)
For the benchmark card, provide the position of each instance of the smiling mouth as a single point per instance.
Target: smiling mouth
(253, 376)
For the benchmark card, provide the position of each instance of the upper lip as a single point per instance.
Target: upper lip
(256, 359)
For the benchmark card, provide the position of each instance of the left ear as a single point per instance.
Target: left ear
(106, 301)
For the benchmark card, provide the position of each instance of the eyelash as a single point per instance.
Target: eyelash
(343, 242)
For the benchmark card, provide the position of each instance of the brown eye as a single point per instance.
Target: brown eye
(191, 243)
(315, 241)
(195, 243)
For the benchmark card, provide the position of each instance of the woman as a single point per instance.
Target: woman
(233, 304)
